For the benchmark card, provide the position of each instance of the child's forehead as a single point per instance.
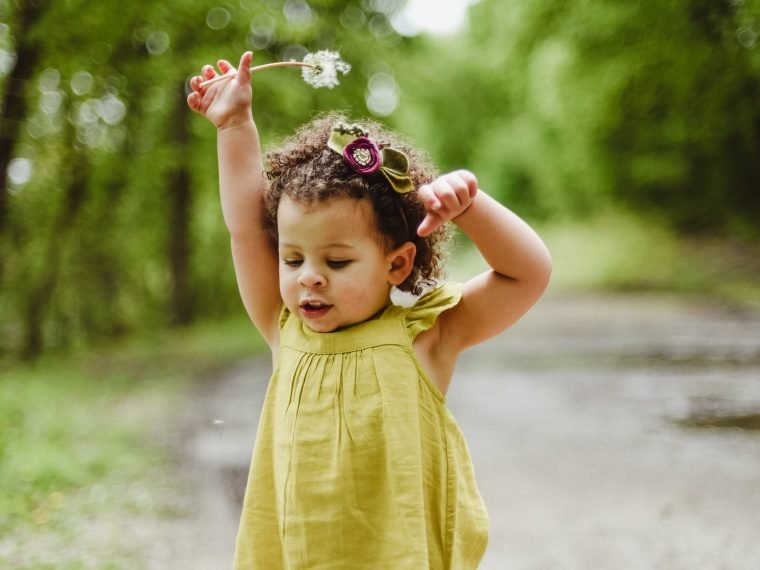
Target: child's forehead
(354, 208)
(336, 219)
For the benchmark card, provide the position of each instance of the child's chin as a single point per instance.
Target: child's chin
(324, 327)
(321, 328)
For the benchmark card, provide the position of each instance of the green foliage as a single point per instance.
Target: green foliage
(620, 251)
(564, 108)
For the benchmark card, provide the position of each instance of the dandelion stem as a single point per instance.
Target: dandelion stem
(257, 68)
(282, 64)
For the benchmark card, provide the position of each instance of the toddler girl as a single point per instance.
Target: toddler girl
(358, 463)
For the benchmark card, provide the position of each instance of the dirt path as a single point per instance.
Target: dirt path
(571, 419)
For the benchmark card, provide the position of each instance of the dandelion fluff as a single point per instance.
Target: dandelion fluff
(326, 64)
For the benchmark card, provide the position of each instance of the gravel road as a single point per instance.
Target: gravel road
(574, 419)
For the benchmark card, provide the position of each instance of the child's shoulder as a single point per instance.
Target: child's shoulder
(422, 311)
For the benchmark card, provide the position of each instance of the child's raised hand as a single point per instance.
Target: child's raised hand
(226, 103)
(445, 198)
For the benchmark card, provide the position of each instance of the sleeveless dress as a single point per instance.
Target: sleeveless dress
(358, 463)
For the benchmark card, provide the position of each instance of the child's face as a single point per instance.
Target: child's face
(333, 271)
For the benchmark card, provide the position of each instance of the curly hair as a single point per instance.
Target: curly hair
(305, 170)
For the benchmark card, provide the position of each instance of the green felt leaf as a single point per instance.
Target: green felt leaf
(395, 160)
(401, 183)
(338, 141)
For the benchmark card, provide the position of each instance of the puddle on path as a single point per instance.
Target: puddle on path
(746, 422)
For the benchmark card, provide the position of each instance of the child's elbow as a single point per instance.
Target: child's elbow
(543, 270)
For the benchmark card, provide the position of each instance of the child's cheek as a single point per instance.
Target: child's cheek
(289, 292)
(358, 296)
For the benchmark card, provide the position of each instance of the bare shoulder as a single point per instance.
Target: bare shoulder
(490, 304)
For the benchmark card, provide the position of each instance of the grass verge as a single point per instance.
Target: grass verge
(83, 442)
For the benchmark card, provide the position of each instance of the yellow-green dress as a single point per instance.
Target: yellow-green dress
(358, 463)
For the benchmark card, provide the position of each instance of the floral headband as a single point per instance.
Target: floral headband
(364, 156)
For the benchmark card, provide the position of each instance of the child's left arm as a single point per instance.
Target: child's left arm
(520, 262)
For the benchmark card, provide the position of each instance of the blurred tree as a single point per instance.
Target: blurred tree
(110, 220)
(109, 216)
(686, 143)
(563, 107)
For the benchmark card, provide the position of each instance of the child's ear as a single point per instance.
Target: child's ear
(401, 261)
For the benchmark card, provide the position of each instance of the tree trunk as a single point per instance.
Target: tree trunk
(180, 205)
(15, 104)
(39, 299)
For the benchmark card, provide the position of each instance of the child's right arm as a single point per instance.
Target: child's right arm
(227, 105)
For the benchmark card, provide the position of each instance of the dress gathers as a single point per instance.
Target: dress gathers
(358, 462)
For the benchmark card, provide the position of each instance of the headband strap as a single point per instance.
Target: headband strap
(363, 155)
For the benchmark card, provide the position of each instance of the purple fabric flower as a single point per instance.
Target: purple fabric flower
(362, 155)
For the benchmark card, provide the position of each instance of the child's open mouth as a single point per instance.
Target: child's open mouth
(314, 309)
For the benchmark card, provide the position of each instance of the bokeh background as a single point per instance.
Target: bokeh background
(627, 133)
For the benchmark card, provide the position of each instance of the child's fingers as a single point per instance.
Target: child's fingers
(194, 101)
(459, 185)
(225, 66)
(428, 198)
(455, 191)
(195, 82)
(208, 72)
(469, 179)
(447, 195)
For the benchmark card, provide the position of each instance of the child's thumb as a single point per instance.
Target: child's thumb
(244, 69)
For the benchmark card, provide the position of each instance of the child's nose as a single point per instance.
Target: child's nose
(311, 278)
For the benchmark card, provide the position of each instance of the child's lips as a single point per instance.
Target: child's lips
(314, 309)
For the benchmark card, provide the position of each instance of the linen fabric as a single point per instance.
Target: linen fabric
(358, 462)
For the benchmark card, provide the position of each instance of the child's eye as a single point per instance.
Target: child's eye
(337, 263)
(293, 262)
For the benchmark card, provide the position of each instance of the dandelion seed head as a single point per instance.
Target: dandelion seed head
(325, 73)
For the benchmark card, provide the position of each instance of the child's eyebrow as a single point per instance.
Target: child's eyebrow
(333, 245)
